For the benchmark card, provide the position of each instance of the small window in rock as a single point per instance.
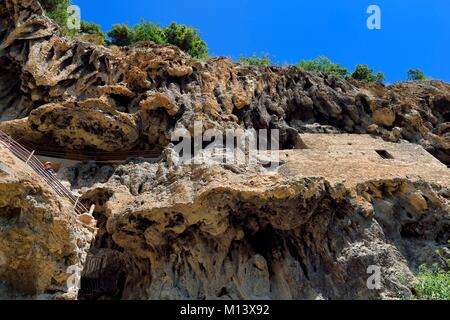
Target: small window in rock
(384, 154)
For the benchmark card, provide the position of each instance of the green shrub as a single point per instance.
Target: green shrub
(380, 77)
(415, 75)
(263, 60)
(364, 73)
(323, 64)
(121, 35)
(187, 39)
(57, 10)
(148, 31)
(91, 32)
(91, 28)
(434, 283)
(182, 36)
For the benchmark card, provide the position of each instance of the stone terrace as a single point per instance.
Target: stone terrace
(353, 158)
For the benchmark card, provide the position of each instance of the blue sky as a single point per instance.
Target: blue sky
(414, 34)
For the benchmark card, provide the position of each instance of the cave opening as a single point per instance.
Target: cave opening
(106, 268)
(109, 284)
(122, 102)
(261, 241)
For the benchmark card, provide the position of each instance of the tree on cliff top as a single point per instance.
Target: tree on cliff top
(187, 39)
(121, 35)
(416, 75)
(182, 36)
(148, 31)
(91, 28)
(255, 60)
(323, 64)
(92, 32)
(56, 10)
(364, 73)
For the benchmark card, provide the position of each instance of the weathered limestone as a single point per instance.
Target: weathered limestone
(310, 230)
(41, 240)
(160, 87)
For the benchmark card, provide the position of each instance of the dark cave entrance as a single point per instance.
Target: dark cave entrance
(105, 281)
(262, 241)
(106, 268)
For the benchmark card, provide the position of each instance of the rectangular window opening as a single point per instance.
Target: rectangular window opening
(384, 154)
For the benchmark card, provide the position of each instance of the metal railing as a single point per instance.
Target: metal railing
(98, 156)
(30, 159)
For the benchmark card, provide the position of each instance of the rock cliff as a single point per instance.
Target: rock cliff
(43, 246)
(218, 231)
(81, 96)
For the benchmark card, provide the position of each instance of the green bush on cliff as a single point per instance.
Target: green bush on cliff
(434, 283)
(148, 31)
(92, 32)
(57, 10)
(362, 72)
(121, 35)
(187, 39)
(263, 60)
(91, 28)
(380, 77)
(416, 75)
(323, 64)
(182, 36)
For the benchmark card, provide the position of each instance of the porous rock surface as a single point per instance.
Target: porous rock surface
(218, 231)
(42, 243)
(78, 95)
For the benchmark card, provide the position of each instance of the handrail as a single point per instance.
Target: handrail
(99, 156)
(33, 162)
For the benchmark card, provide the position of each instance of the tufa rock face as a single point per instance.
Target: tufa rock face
(155, 88)
(208, 232)
(310, 230)
(41, 240)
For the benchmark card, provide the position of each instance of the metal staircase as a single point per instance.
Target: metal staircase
(33, 162)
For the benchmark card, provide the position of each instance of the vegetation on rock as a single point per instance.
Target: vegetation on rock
(91, 28)
(188, 39)
(56, 10)
(323, 64)
(416, 75)
(434, 281)
(92, 32)
(182, 36)
(254, 60)
(364, 73)
(121, 35)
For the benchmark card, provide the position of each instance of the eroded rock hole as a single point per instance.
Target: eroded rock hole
(122, 102)
(384, 154)
(9, 214)
(107, 266)
(104, 275)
